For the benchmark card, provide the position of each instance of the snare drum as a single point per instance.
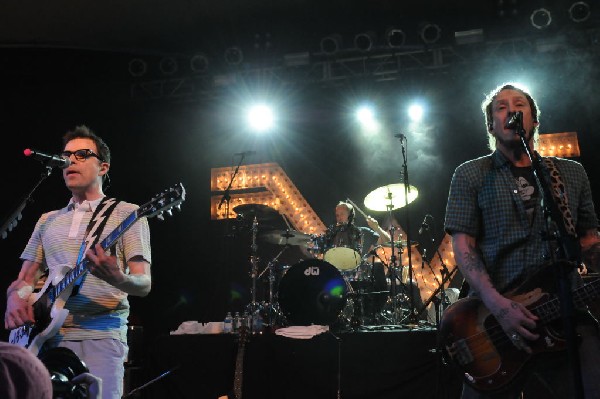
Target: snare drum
(312, 292)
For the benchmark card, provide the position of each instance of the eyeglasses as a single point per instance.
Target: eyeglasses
(81, 155)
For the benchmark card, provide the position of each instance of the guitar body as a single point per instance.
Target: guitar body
(476, 343)
(49, 316)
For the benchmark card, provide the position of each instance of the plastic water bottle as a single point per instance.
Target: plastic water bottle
(228, 324)
(257, 322)
(236, 322)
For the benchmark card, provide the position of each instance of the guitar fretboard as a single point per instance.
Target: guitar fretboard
(550, 310)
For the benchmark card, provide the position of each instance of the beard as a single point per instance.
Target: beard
(514, 143)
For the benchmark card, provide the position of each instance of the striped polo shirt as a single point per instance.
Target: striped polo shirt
(98, 310)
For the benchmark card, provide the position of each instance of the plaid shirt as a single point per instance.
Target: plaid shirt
(484, 202)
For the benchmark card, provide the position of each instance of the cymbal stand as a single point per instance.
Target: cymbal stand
(412, 317)
(392, 268)
(254, 270)
(271, 307)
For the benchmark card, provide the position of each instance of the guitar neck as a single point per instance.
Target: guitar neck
(239, 365)
(81, 268)
(550, 310)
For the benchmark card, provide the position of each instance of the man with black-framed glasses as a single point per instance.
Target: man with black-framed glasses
(96, 325)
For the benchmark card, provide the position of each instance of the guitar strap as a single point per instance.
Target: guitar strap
(559, 192)
(93, 232)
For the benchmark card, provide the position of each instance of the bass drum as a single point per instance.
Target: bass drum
(312, 292)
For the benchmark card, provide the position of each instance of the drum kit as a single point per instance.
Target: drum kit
(335, 285)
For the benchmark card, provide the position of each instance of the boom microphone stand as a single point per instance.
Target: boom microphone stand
(11, 221)
(412, 317)
(567, 248)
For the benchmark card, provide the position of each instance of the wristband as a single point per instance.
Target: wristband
(25, 291)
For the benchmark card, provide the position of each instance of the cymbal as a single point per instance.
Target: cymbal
(399, 244)
(391, 195)
(262, 212)
(289, 237)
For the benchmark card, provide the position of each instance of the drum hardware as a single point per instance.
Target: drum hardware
(287, 237)
(391, 195)
(271, 308)
(256, 211)
(253, 306)
(388, 198)
(399, 244)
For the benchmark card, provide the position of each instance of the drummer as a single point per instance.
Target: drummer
(346, 234)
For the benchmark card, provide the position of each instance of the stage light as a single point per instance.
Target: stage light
(415, 112)
(469, 36)
(395, 38)
(366, 117)
(234, 56)
(365, 41)
(540, 18)
(168, 65)
(331, 44)
(430, 33)
(137, 67)
(260, 118)
(579, 11)
(199, 63)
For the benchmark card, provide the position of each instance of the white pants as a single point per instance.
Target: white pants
(104, 358)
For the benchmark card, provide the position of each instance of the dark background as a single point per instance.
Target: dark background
(65, 64)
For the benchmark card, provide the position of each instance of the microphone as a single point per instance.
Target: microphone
(515, 119)
(400, 136)
(48, 160)
(243, 153)
(424, 225)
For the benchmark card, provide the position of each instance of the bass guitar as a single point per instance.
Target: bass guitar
(474, 340)
(48, 304)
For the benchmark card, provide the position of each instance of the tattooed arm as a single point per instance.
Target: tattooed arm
(590, 249)
(512, 316)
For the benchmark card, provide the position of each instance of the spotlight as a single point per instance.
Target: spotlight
(579, 11)
(331, 44)
(540, 18)
(168, 65)
(199, 63)
(365, 41)
(137, 67)
(415, 112)
(260, 118)
(395, 38)
(366, 117)
(430, 33)
(234, 56)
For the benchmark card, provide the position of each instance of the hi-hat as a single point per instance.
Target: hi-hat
(262, 212)
(399, 244)
(390, 197)
(286, 237)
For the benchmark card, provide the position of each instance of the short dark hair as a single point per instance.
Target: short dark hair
(85, 132)
(486, 107)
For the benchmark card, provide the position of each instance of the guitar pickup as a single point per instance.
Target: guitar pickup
(460, 352)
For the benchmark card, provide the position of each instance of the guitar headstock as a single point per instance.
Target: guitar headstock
(164, 202)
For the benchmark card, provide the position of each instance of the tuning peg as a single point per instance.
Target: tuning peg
(178, 207)
(160, 217)
(169, 212)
